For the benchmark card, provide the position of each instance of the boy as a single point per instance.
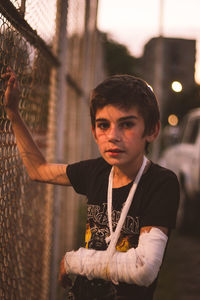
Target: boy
(132, 202)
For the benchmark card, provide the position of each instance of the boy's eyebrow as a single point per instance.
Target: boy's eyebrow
(101, 120)
(119, 120)
(127, 118)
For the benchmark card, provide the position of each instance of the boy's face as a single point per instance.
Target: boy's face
(119, 135)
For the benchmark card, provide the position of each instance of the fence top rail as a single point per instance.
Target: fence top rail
(10, 12)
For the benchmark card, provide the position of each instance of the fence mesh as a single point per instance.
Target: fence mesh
(44, 23)
(22, 202)
(26, 208)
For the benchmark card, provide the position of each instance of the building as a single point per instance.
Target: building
(166, 60)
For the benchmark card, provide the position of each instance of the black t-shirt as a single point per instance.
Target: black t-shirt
(154, 204)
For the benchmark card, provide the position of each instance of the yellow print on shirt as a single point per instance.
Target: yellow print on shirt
(123, 244)
(88, 235)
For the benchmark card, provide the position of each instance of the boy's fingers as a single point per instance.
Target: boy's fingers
(6, 75)
(10, 77)
(9, 73)
(11, 81)
(9, 69)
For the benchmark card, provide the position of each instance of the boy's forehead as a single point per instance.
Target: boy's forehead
(109, 110)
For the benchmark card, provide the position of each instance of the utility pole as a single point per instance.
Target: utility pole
(158, 77)
(159, 61)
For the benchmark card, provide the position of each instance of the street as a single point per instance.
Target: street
(180, 274)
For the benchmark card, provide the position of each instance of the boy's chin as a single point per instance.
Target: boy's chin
(113, 161)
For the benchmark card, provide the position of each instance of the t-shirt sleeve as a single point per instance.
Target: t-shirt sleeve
(82, 174)
(162, 208)
(78, 176)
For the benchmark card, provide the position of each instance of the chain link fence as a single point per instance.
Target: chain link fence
(29, 224)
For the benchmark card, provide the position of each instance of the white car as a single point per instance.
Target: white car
(184, 159)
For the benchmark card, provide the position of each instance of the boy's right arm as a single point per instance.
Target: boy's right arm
(34, 161)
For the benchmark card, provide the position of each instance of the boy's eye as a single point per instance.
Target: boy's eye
(126, 125)
(103, 125)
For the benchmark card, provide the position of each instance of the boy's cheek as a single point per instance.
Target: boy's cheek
(99, 135)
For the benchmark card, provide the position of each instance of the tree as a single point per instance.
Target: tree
(118, 59)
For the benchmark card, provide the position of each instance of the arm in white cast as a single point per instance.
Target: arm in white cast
(139, 266)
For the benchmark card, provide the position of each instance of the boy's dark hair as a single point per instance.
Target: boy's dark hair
(126, 91)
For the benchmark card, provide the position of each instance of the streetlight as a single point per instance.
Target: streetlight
(173, 120)
(176, 86)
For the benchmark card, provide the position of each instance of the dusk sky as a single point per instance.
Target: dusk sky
(134, 22)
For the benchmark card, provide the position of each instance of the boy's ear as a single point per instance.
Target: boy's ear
(151, 137)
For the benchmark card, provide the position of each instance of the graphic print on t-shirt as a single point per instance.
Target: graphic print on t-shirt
(97, 229)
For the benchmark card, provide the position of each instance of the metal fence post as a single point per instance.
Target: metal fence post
(60, 48)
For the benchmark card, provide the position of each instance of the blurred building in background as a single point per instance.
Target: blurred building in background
(166, 61)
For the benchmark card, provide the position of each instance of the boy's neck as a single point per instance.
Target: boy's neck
(123, 177)
(120, 179)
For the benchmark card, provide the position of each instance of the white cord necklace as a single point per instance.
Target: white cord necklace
(114, 236)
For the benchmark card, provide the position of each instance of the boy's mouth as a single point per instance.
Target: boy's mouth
(114, 151)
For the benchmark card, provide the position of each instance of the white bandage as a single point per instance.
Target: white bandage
(139, 266)
(87, 262)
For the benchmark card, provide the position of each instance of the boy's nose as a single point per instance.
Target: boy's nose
(113, 134)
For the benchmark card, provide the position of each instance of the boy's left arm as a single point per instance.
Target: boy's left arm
(148, 228)
(138, 265)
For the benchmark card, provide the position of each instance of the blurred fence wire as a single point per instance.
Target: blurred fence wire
(56, 66)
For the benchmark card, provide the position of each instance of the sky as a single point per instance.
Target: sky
(135, 22)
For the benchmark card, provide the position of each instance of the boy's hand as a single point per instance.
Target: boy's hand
(63, 278)
(11, 99)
